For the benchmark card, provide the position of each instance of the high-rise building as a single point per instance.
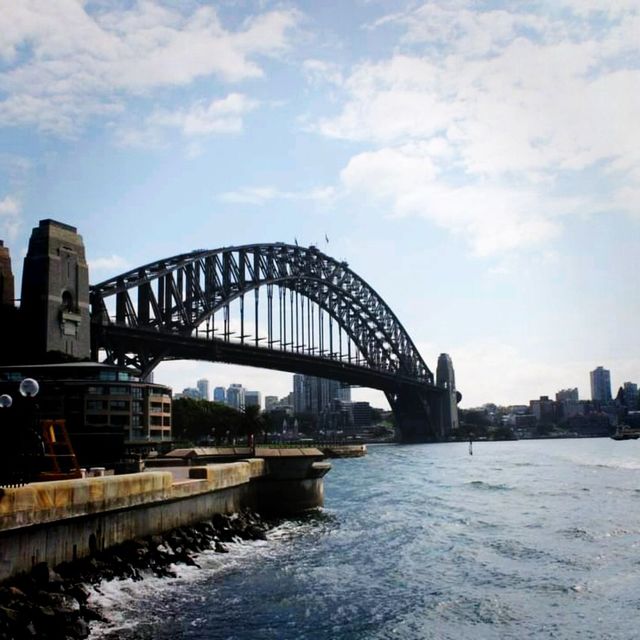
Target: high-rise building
(220, 395)
(630, 394)
(235, 396)
(252, 398)
(190, 392)
(601, 385)
(344, 393)
(299, 400)
(314, 395)
(270, 403)
(203, 388)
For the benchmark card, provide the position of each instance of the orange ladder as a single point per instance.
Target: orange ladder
(59, 452)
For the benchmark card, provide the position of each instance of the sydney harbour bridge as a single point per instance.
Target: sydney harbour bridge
(275, 306)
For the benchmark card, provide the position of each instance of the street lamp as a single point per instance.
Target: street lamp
(29, 388)
(18, 449)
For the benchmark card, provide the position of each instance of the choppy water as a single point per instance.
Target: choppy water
(529, 539)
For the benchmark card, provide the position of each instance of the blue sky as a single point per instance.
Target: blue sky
(477, 162)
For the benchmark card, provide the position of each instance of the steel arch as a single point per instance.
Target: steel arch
(177, 295)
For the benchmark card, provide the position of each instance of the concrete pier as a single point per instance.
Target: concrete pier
(69, 519)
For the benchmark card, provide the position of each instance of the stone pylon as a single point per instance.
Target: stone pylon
(55, 292)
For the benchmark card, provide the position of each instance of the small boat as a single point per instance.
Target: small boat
(625, 432)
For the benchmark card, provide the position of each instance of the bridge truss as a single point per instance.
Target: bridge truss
(273, 305)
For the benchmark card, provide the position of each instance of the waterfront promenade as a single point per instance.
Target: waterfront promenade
(65, 520)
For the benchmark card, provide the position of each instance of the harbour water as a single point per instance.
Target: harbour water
(528, 539)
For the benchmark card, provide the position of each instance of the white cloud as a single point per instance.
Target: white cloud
(219, 116)
(492, 217)
(67, 63)
(10, 217)
(477, 122)
(261, 195)
(223, 116)
(320, 72)
(112, 264)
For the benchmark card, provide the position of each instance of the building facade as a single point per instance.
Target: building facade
(601, 385)
(252, 398)
(220, 395)
(203, 389)
(630, 395)
(235, 397)
(106, 408)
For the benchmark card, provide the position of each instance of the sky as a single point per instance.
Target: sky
(477, 162)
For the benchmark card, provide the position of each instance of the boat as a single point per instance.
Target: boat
(625, 432)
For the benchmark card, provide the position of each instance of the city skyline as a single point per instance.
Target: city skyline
(359, 394)
(476, 164)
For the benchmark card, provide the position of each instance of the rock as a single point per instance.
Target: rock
(77, 629)
(80, 591)
(61, 603)
(256, 532)
(220, 548)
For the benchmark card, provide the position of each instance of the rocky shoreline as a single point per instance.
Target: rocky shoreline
(54, 603)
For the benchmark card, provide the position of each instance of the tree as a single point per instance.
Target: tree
(198, 420)
(253, 422)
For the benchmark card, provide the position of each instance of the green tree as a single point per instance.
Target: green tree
(253, 422)
(201, 420)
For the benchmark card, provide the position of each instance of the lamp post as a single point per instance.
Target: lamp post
(20, 441)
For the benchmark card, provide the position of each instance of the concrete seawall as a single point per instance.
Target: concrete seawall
(69, 519)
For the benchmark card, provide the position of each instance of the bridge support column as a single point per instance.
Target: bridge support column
(419, 414)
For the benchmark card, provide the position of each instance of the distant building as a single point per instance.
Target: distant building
(630, 394)
(544, 410)
(235, 396)
(220, 395)
(270, 403)
(344, 393)
(567, 394)
(190, 392)
(299, 398)
(361, 412)
(252, 398)
(203, 388)
(601, 385)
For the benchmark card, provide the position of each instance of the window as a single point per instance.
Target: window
(135, 421)
(95, 391)
(119, 391)
(137, 406)
(107, 375)
(123, 376)
(96, 405)
(156, 407)
(136, 392)
(156, 421)
(119, 405)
